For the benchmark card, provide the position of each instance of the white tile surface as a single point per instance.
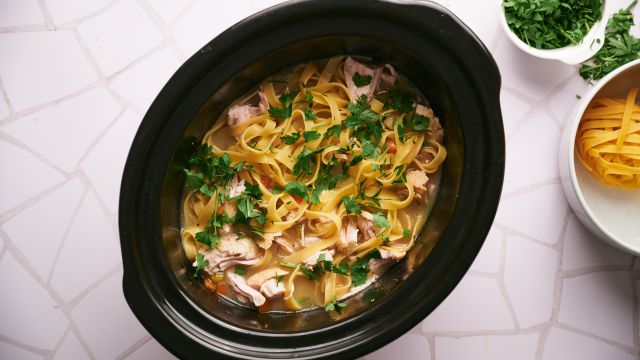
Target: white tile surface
(37, 67)
(529, 277)
(489, 258)
(35, 176)
(476, 304)
(538, 213)
(412, 346)
(168, 9)
(39, 244)
(106, 306)
(89, 252)
(63, 132)
(562, 344)
(599, 303)
(583, 250)
(63, 11)
(16, 353)
(105, 163)
(521, 347)
(536, 78)
(71, 349)
(527, 161)
(60, 124)
(25, 305)
(142, 82)
(151, 350)
(205, 20)
(114, 47)
(20, 12)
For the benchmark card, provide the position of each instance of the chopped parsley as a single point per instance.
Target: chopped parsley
(551, 24)
(361, 80)
(335, 306)
(297, 189)
(400, 100)
(310, 135)
(289, 265)
(333, 131)
(284, 111)
(240, 270)
(304, 161)
(360, 269)
(309, 115)
(291, 138)
(350, 205)
(380, 220)
(201, 262)
(406, 233)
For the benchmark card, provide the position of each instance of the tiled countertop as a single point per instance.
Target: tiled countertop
(76, 78)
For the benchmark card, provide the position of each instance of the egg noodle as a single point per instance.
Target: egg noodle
(373, 180)
(608, 141)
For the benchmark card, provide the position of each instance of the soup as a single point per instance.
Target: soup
(312, 185)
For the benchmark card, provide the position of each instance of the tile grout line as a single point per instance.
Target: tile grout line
(502, 284)
(23, 346)
(63, 241)
(19, 144)
(73, 23)
(166, 30)
(48, 20)
(63, 338)
(131, 349)
(530, 188)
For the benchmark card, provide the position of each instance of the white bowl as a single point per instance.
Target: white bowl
(571, 55)
(610, 213)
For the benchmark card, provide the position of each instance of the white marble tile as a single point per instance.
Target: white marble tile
(4, 109)
(527, 74)
(528, 161)
(411, 346)
(49, 131)
(63, 11)
(141, 83)
(205, 20)
(599, 303)
(114, 47)
(71, 349)
(566, 99)
(20, 12)
(529, 278)
(41, 66)
(539, 213)
(105, 163)
(476, 304)
(39, 244)
(168, 9)
(9, 351)
(118, 329)
(488, 260)
(513, 110)
(483, 17)
(583, 250)
(151, 350)
(35, 176)
(29, 315)
(521, 347)
(90, 250)
(562, 344)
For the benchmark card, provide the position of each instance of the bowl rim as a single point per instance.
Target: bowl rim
(573, 129)
(485, 81)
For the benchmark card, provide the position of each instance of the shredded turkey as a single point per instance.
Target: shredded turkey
(366, 226)
(326, 255)
(348, 237)
(232, 250)
(272, 288)
(382, 77)
(257, 279)
(435, 128)
(239, 284)
(238, 114)
(419, 180)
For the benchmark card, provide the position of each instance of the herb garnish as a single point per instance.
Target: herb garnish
(297, 189)
(551, 24)
(201, 262)
(310, 135)
(360, 269)
(291, 138)
(618, 49)
(350, 205)
(361, 80)
(284, 111)
(335, 306)
(240, 270)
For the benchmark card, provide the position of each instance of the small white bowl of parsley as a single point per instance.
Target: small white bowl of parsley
(571, 31)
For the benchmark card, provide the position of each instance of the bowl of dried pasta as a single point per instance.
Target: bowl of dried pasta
(600, 159)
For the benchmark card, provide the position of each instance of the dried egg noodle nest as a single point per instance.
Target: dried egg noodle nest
(608, 141)
(274, 159)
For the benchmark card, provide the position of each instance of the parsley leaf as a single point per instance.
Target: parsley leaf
(194, 179)
(208, 239)
(400, 100)
(284, 111)
(291, 138)
(309, 115)
(406, 233)
(380, 220)
(333, 131)
(298, 189)
(335, 306)
(304, 160)
(351, 206)
(368, 149)
(360, 269)
(201, 263)
(240, 270)
(310, 135)
(361, 80)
